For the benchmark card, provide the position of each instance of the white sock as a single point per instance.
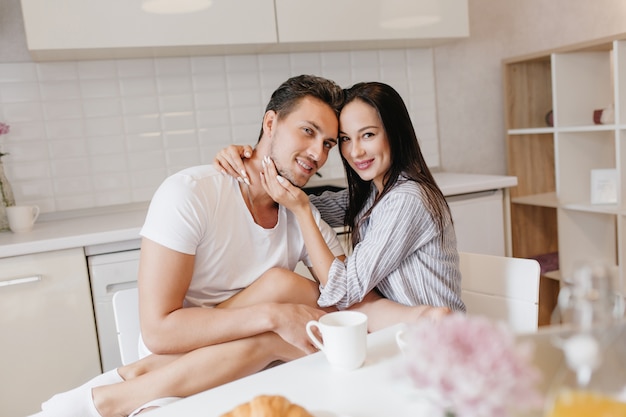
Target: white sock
(66, 400)
(74, 403)
(159, 402)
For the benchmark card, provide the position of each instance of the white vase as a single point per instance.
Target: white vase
(6, 198)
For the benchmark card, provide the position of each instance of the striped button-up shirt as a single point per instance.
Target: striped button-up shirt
(401, 252)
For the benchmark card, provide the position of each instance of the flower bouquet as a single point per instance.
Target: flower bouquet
(6, 192)
(472, 366)
(4, 128)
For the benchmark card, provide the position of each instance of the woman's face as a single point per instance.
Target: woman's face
(363, 142)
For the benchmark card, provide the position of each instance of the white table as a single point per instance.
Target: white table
(376, 389)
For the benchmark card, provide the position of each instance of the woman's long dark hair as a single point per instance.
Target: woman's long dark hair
(406, 157)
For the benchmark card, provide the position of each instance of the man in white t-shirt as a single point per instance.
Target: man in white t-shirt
(211, 309)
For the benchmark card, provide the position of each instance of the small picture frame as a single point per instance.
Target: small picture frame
(603, 186)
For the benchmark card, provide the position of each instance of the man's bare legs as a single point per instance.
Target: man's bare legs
(381, 312)
(194, 372)
(279, 286)
(158, 376)
(276, 285)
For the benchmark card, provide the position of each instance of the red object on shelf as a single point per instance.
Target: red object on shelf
(547, 262)
(550, 118)
(597, 116)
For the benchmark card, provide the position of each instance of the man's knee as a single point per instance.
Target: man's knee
(286, 281)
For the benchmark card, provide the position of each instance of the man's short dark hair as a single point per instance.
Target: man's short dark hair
(288, 94)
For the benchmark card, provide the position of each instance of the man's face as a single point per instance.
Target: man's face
(301, 140)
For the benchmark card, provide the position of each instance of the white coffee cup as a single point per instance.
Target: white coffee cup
(344, 335)
(22, 218)
(401, 336)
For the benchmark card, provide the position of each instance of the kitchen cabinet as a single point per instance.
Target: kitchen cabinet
(121, 28)
(554, 147)
(370, 20)
(75, 29)
(49, 341)
(480, 222)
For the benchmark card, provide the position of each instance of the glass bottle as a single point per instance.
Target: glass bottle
(592, 381)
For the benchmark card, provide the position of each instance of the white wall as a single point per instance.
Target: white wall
(469, 73)
(97, 133)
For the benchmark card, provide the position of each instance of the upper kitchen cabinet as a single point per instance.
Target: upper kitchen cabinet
(75, 29)
(372, 22)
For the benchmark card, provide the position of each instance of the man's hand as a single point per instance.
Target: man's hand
(290, 324)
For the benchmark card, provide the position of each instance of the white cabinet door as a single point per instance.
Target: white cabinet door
(48, 330)
(370, 20)
(80, 24)
(479, 222)
(98, 29)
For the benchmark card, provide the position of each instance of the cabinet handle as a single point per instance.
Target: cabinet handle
(19, 281)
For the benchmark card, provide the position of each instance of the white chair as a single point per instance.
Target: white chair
(126, 313)
(501, 288)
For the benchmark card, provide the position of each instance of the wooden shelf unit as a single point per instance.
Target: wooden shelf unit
(551, 208)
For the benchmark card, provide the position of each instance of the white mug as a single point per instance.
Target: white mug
(344, 335)
(22, 218)
(401, 336)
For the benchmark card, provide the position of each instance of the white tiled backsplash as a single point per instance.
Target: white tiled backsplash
(96, 133)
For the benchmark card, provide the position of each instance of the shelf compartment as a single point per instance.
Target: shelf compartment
(578, 154)
(528, 93)
(534, 230)
(542, 200)
(582, 84)
(585, 237)
(531, 160)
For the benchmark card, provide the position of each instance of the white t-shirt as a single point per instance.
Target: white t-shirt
(199, 211)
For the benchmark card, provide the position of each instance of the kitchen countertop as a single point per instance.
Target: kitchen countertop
(76, 228)
(452, 183)
(109, 225)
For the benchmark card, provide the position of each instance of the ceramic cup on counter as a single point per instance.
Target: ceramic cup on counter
(344, 335)
(22, 218)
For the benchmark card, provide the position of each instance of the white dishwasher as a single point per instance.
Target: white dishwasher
(112, 267)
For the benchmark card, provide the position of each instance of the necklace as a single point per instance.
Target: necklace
(265, 218)
(251, 207)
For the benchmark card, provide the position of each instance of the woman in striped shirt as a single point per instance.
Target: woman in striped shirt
(404, 245)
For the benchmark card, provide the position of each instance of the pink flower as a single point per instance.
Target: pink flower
(4, 128)
(473, 365)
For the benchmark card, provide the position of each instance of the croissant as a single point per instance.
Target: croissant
(268, 406)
